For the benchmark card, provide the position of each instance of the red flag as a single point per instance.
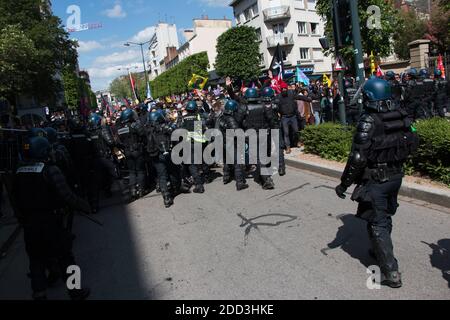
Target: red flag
(441, 65)
(380, 73)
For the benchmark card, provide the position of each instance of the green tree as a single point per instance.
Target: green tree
(439, 26)
(238, 53)
(17, 56)
(411, 29)
(53, 48)
(71, 88)
(376, 40)
(120, 87)
(176, 79)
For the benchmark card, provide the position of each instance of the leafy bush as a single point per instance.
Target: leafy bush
(329, 141)
(433, 155)
(333, 142)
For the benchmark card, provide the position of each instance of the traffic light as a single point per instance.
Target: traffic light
(342, 21)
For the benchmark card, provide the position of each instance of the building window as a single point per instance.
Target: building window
(311, 4)
(247, 14)
(299, 4)
(304, 54)
(278, 28)
(314, 28)
(261, 59)
(258, 34)
(284, 54)
(302, 27)
(255, 9)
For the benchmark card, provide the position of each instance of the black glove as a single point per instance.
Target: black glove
(340, 191)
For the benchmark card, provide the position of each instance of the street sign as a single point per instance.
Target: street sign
(339, 65)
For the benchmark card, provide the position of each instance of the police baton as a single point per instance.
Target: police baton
(89, 218)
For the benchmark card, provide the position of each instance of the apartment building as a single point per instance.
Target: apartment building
(165, 36)
(203, 37)
(294, 25)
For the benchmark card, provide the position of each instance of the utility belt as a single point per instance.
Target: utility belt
(382, 172)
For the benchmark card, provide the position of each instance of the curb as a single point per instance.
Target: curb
(411, 190)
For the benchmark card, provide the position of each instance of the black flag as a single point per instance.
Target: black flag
(277, 65)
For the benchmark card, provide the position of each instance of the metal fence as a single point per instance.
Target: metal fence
(12, 145)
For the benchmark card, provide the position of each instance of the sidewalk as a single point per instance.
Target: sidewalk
(413, 187)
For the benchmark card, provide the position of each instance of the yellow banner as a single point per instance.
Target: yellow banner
(197, 82)
(326, 81)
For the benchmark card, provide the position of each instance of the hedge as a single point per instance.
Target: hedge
(176, 79)
(333, 142)
(329, 141)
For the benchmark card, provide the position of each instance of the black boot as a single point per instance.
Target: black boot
(393, 280)
(199, 189)
(227, 180)
(79, 295)
(268, 184)
(282, 172)
(241, 186)
(168, 200)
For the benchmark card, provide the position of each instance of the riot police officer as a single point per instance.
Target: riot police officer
(428, 97)
(350, 103)
(40, 191)
(258, 117)
(268, 95)
(382, 143)
(413, 94)
(190, 123)
(132, 138)
(82, 151)
(441, 96)
(159, 148)
(103, 141)
(396, 89)
(228, 122)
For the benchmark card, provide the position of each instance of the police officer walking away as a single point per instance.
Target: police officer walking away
(159, 148)
(382, 143)
(442, 90)
(132, 139)
(268, 95)
(258, 117)
(40, 192)
(188, 122)
(228, 122)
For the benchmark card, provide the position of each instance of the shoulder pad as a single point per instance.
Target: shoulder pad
(34, 168)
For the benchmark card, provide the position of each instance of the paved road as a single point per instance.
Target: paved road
(296, 242)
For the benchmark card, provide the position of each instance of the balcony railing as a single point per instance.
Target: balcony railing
(277, 13)
(282, 39)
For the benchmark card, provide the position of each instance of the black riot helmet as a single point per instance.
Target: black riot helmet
(39, 149)
(378, 96)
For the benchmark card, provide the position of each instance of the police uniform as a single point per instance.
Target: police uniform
(40, 191)
(190, 123)
(382, 143)
(258, 117)
(132, 140)
(159, 150)
(228, 122)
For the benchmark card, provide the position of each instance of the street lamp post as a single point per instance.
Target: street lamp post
(141, 44)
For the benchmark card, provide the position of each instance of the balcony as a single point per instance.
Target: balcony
(283, 39)
(277, 13)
